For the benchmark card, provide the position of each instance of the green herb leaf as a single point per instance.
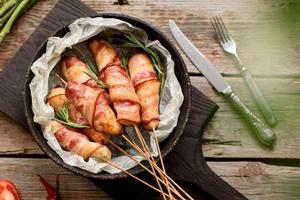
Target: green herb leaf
(93, 73)
(94, 76)
(64, 118)
(92, 66)
(133, 42)
(124, 60)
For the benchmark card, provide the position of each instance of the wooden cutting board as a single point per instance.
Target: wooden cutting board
(185, 163)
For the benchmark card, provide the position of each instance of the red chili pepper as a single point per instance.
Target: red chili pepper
(53, 194)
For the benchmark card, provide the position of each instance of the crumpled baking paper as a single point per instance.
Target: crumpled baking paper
(81, 30)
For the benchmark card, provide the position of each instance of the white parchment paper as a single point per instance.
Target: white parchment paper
(81, 30)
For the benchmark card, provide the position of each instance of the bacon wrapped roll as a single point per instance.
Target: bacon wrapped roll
(74, 69)
(57, 99)
(121, 91)
(78, 143)
(104, 54)
(74, 65)
(93, 105)
(147, 88)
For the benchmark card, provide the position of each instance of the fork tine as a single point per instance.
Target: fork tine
(218, 30)
(219, 25)
(224, 28)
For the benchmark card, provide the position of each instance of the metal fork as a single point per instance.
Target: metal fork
(229, 46)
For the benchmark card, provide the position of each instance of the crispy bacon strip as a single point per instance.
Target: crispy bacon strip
(78, 143)
(74, 69)
(104, 54)
(96, 136)
(93, 105)
(57, 99)
(121, 91)
(147, 87)
(103, 110)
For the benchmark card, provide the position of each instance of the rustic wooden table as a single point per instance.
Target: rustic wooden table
(232, 152)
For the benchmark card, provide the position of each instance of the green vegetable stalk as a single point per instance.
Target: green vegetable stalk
(4, 18)
(9, 17)
(6, 6)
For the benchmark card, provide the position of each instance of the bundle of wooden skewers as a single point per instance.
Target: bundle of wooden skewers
(10, 11)
(102, 96)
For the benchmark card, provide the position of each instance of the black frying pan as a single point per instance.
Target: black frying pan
(166, 146)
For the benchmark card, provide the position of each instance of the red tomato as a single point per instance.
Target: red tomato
(8, 190)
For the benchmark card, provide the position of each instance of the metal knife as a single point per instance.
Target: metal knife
(263, 133)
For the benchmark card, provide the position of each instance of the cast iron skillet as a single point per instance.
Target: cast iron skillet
(166, 146)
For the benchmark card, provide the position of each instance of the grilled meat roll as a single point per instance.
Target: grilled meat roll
(78, 143)
(147, 88)
(121, 91)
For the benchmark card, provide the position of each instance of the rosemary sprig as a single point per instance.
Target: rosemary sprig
(93, 73)
(92, 66)
(131, 41)
(64, 118)
(124, 61)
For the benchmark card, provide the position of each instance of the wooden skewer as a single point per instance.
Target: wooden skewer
(147, 150)
(145, 168)
(157, 168)
(61, 79)
(138, 149)
(151, 164)
(135, 177)
(162, 162)
(148, 157)
(153, 173)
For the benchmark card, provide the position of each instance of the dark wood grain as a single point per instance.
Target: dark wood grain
(186, 162)
(187, 151)
(256, 180)
(14, 75)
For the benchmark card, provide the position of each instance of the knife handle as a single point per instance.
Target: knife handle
(258, 96)
(264, 133)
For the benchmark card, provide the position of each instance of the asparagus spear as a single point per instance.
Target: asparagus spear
(4, 18)
(20, 8)
(6, 6)
(30, 4)
(17, 12)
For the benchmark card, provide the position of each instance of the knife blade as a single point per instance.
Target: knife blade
(199, 60)
(263, 133)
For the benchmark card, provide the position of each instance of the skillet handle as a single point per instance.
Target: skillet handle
(186, 161)
(192, 169)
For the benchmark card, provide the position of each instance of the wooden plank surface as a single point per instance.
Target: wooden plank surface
(256, 180)
(249, 25)
(226, 137)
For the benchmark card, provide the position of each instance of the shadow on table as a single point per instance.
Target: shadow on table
(130, 189)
